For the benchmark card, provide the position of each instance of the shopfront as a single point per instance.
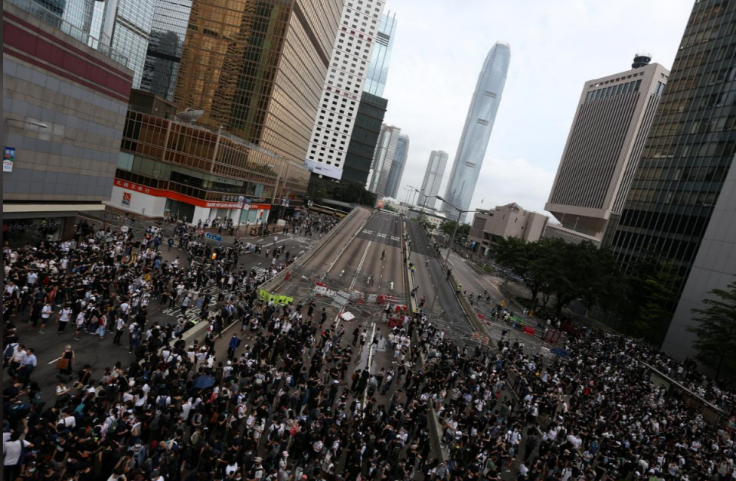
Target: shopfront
(21, 232)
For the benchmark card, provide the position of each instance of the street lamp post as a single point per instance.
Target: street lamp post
(420, 192)
(457, 224)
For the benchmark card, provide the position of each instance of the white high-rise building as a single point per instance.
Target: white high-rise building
(433, 178)
(344, 84)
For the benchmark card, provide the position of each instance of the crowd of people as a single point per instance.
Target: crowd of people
(286, 397)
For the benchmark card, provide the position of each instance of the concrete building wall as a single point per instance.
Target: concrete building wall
(535, 226)
(504, 222)
(64, 107)
(714, 268)
(603, 149)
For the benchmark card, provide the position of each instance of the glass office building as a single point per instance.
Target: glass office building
(168, 31)
(433, 178)
(363, 140)
(257, 68)
(690, 147)
(131, 32)
(397, 167)
(478, 128)
(381, 56)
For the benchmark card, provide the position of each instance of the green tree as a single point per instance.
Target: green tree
(582, 271)
(448, 227)
(715, 330)
(530, 261)
(659, 307)
(649, 298)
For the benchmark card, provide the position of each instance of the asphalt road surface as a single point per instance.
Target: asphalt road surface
(432, 281)
(100, 354)
(353, 258)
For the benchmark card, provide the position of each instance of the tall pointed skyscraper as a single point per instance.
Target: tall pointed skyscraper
(478, 128)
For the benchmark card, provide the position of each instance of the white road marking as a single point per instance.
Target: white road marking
(360, 266)
(346, 246)
(54, 360)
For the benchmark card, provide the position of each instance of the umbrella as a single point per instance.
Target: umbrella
(203, 382)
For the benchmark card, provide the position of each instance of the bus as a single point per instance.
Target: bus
(328, 211)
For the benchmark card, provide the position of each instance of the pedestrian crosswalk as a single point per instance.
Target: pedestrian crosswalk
(193, 313)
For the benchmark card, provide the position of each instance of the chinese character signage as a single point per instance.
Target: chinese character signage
(127, 196)
(8, 159)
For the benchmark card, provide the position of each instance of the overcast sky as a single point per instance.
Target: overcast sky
(556, 46)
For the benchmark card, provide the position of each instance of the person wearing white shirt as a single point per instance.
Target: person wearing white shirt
(16, 360)
(28, 364)
(45, 316)
(119, 330)
(68, 422)
(186, 408)
(12, 450)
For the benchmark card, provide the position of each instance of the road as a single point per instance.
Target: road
(475, 283)
(100, 354)
(432, 282)
(471, 280)
(352, 260)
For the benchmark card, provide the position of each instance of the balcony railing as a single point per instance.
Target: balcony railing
(49, 17)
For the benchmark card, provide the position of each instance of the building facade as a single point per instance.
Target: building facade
(478, 127)
(126, 28)
(375, 83)
(433, 178)
(64, 107)
(713, 268)
(433, 218)
(363, 140)
(689, 150)
(119, 26)
(603, 149)
(397, 167)
(257, 68)
(503, 222)
(167, 167)
(343, 87)
(382, 159)
(165, 47)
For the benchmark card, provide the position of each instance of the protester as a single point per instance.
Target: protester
(288, 398)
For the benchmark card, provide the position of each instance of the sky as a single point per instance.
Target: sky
(439, 49)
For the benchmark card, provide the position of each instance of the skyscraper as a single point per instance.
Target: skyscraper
(381, 56)
(603, 149)
(372, 107)
(433, 178)
(382, 159)
(343, 87)
(364, 139)
(478, 128)
(257, 68)
(397, 166)
(680, 180)
(689, 150)
(125, 26)
(168, 31)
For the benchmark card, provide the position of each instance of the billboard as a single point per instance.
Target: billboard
(8, 159)
(323, 169)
